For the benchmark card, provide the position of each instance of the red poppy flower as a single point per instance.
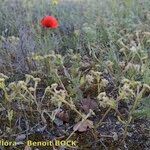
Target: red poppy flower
(49, 22)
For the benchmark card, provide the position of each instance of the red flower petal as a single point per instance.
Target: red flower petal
(49, 22)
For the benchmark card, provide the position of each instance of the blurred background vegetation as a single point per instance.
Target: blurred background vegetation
(111, 37)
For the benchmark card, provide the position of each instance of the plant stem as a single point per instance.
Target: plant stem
(138, 98)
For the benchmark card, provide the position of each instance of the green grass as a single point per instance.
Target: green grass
(101, 52)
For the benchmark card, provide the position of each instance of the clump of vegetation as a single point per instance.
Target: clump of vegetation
(87, 80)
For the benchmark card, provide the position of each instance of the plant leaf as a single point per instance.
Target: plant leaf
(82, 126)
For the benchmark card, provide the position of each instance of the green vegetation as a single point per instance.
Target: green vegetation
(88, 80)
